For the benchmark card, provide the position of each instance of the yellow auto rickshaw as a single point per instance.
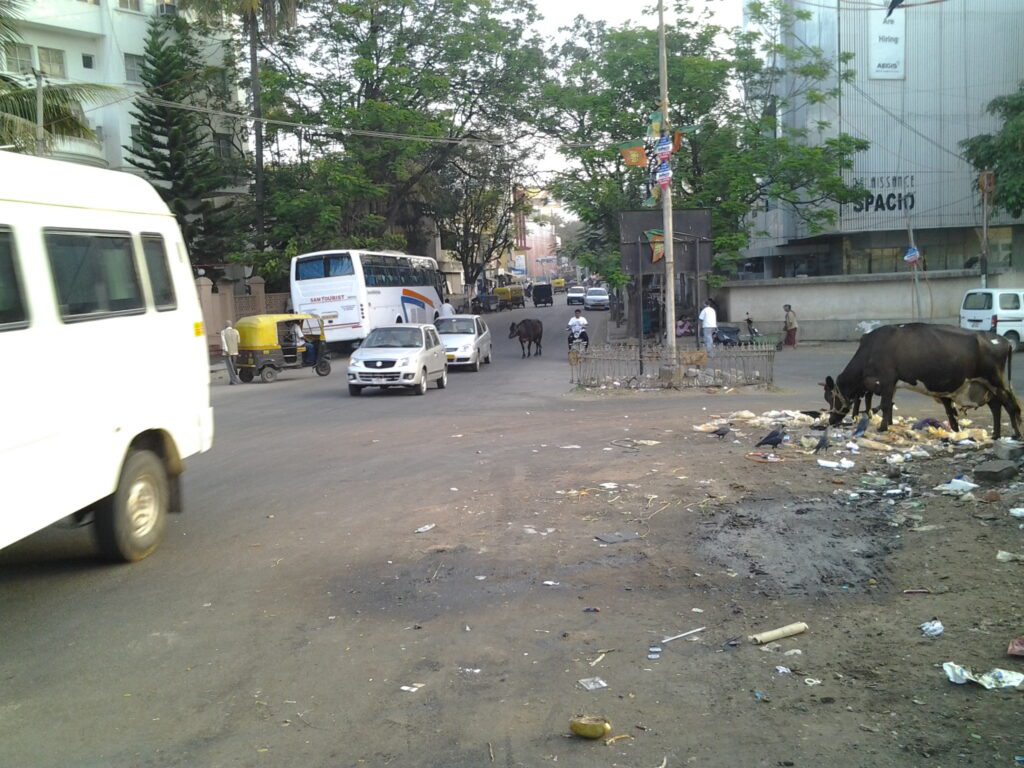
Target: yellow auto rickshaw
(510, 296)
(558, 285)
(269, 344)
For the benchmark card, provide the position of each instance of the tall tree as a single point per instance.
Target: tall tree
(735, 151)
(172, 147)
(62, 115)
(1003, 152)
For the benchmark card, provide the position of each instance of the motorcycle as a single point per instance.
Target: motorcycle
(752, 332)
(727, 336)
(578, 338)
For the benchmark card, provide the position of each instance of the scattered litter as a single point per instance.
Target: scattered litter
(617, 538)
(994, 678)
(932, 628)
(684, 634)
(593, 683)
(1016, 647)
(570, 447)
(1017, 512)
(780, 670)
(697, 610)
(470, 670)
(550, 583)
(955, 487)
(617, 739)
(591, 610)
(828, 464)
(609, 486)
(917, 591)
(587, 727)
(812, 681)
(412, 688)
(480, 578)
(793, 652)
(874, 481)
(1009, 557)
(777, 634)
(761, 696)
(425, 528)
(453, 489)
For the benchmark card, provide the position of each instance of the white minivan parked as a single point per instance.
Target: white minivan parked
(106, 370)
(1000, 310)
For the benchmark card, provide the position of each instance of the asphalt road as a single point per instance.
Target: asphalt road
(277, 621)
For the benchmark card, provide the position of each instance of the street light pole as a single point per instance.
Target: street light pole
(668, 325)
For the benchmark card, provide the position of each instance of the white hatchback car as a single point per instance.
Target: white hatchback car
(405, 355)
(596, 298)
(466, 339)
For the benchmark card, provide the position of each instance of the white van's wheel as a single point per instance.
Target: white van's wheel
(1014, 339)
(131, 523)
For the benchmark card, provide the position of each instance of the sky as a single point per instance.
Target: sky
(560, 13)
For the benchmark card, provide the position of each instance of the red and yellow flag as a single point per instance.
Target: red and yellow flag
(634, 154)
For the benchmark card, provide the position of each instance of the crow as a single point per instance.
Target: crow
(722, 431)
(927, 422)
(862, 426)
(773, 438)
(822, 443)
(893, 5)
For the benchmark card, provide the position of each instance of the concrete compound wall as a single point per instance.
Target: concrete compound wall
(830, 308)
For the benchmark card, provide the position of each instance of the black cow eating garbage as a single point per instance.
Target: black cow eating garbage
(958, 368)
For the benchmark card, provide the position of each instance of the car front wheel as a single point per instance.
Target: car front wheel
(443, 381)
(421, 387)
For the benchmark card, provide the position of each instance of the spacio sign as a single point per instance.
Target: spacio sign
(894, 192)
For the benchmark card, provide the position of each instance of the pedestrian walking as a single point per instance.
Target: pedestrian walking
(229, 348)
(446, 309)
(709, 324)
(790, 325)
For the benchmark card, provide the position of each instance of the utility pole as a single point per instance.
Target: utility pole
(668, 324)
(40, 142)
(987, 184)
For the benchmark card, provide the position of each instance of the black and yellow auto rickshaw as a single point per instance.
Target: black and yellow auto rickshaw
(269, 344)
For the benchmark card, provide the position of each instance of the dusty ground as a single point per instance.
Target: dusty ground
(726, 544)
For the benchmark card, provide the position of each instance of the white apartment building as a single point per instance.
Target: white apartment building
(90, 41)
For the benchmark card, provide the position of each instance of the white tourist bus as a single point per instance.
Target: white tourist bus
(106, 370)
(355, 291)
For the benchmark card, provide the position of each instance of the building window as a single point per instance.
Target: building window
(88, 61)
(51, 62)
(19, 58)
(94, 273)
(224, 147)
(133, 67)
(130, 5)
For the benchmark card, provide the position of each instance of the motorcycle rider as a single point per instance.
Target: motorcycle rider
(578, 325)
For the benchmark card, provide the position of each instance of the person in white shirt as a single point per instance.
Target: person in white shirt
(709, 324)
(229, 348)
(578, 323)
(446, 309)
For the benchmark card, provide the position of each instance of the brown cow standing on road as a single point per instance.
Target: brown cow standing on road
(959, 368)
(529, 332)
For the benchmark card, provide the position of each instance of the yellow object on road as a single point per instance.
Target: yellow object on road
(588, 727)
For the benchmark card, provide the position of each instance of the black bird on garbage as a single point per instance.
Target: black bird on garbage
(822, 443)
(862, 426)
(893, 6)
(927, 422)
(773, 438)
(722, 431)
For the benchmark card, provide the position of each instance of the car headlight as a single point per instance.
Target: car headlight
(357, 363)
(403, 362)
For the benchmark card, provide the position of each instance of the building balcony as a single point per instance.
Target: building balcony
(81, 151)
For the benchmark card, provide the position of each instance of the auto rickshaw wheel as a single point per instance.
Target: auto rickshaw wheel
(323, 368)
(246, 375)
(268, 375)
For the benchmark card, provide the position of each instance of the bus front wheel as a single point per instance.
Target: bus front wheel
(131, 523)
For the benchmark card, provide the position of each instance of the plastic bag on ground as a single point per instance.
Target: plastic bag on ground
(994, 678)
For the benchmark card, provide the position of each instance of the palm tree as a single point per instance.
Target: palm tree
(260, 19)
(62, 117)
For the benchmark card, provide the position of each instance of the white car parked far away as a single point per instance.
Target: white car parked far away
(466, 339)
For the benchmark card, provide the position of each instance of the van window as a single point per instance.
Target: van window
(978, 300)
(1009, 301)
(159, 272)
(12, 302)
(94, 273)
(339, 265)
(310, 268)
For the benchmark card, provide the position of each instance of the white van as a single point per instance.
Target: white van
(106, 373)
(994, 309)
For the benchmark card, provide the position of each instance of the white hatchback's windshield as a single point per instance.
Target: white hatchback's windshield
(455, 325)
(394, 337)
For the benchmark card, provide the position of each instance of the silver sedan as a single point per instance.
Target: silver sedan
(466, 339)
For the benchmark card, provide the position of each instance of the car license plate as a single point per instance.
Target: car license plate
(974, 322)
(451, 358)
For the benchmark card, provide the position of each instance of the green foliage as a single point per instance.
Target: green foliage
(740, 151)
(1003, 152)
(172, 147)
